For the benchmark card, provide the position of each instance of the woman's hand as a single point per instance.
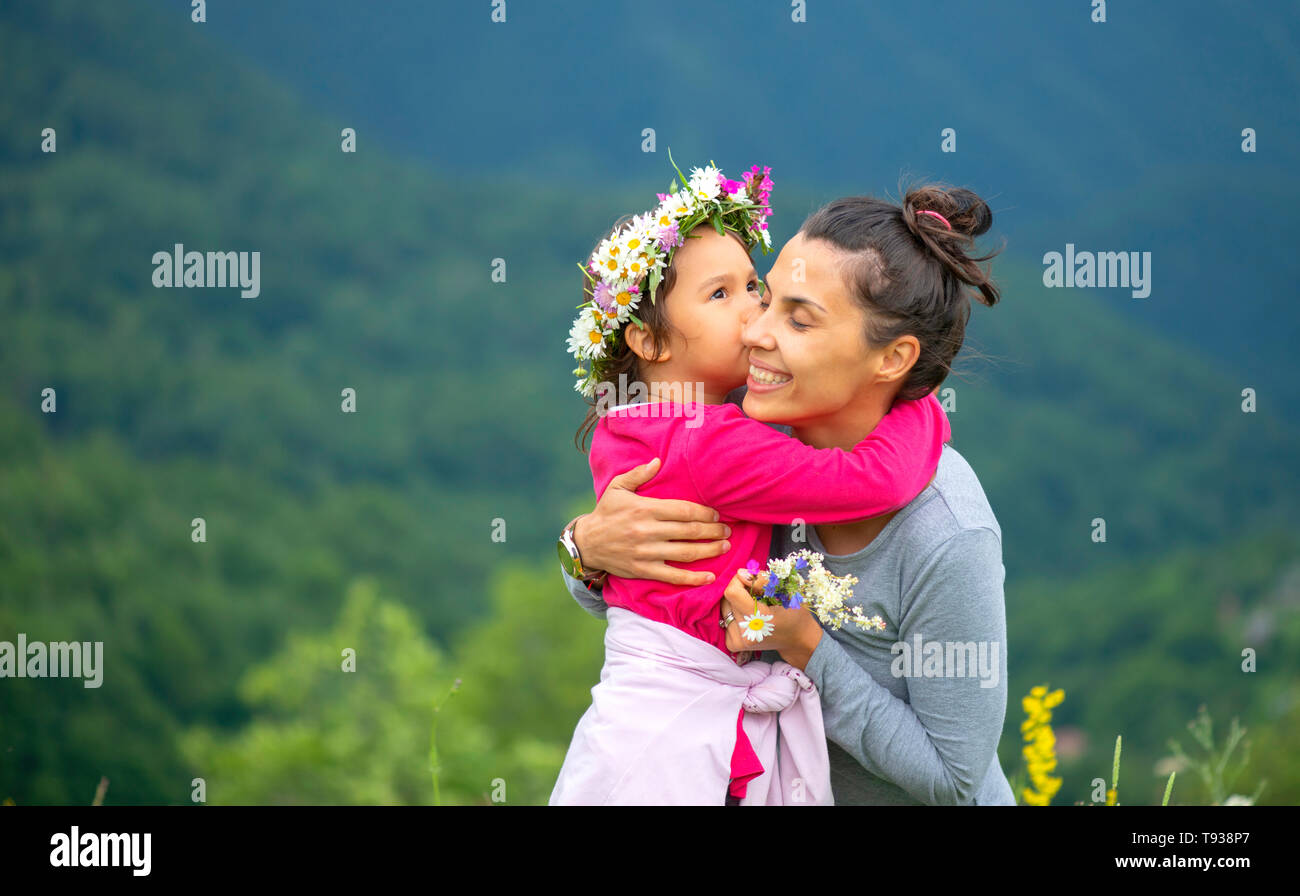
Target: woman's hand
(797, 632)
(632, 536)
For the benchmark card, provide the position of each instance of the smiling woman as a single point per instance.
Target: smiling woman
(867, 295)
(866, 309)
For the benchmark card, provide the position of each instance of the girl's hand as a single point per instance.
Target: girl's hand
(797, 632)
(632, 536)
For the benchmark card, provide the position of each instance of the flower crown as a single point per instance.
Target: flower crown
(630, 262)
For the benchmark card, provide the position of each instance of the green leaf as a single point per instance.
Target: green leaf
(717, 224)
(655, 276)
(1114, 780)
(685, 181)
(636, 320)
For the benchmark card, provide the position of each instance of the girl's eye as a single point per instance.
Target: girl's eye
(798, 326)
(720, 293)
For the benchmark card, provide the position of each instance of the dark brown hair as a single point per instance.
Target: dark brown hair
(620, 359)
(911, 274)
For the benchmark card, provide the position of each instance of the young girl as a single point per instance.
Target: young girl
(668, 721)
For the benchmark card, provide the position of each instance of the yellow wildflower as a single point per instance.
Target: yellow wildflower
(1040, 745)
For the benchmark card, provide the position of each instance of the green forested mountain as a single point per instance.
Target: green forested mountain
(176, 404)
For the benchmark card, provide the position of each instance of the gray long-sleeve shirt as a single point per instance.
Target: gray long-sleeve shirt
(913, 714)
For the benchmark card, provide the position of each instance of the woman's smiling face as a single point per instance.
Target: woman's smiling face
(807, 345)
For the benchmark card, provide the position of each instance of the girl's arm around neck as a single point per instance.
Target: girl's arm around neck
(746, 470)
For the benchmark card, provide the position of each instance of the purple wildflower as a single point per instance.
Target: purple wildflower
(604, 297)
(760, 191)
(760, 185)
(669, 237)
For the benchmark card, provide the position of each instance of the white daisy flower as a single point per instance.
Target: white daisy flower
(639, 264)
(606, 321)
(578, 347)
(587, 337)
(666, 215)
(706, 182)
(654, 259)
(609, 267)
(636, 245)
(642, 227)
(682, 203)
(757, 626)
(609, 257)
(625, 302)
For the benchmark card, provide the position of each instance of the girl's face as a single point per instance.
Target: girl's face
(715, 291)
(809, 356)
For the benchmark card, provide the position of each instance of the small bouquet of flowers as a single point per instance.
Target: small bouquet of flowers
(800, 580)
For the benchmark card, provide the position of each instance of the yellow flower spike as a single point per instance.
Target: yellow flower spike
(1040, 745)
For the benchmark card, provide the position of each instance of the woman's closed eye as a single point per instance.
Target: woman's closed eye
(800, 327)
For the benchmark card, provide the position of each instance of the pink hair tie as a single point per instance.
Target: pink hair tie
(926, 211)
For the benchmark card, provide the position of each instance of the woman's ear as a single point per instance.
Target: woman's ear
(899, 358)
(642, 343)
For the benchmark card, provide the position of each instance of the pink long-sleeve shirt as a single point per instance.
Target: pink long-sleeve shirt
(755, 477)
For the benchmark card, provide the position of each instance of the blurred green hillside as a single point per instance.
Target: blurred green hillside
(328, 529)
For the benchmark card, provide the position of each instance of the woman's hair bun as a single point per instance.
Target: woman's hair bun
(968, 214)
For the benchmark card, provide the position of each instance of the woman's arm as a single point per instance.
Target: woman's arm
(940, 746)
(631, 536)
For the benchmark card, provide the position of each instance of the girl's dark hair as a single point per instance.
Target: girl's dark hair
(911, 274)
(621, 360)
